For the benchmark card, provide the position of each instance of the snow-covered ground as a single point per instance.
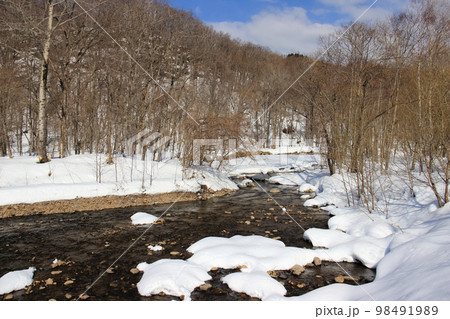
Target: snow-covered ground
(22, 180)
(410, 249)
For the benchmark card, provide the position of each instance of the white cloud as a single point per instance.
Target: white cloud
(284, 31)
(353, 9)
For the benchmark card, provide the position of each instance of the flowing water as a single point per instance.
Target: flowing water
(86, 244)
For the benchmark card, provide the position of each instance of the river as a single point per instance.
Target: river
(86, 244)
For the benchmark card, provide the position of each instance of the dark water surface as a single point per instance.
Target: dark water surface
(88, 243)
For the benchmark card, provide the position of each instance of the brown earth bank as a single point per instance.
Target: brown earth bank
(105, 202)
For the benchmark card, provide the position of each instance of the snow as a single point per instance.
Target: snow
(292, 179)
(155, 248)
(143, 219)
(265, 164)
(172, 277)
(22, 180)
(415, 270)
(255, 253)
(256, 284)
(245, 182)
(409, 249)
(307, 188)
(406, 237)
(16, 280)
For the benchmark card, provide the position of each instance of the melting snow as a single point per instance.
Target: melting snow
(143, 219)
(16, 280)
(256, 284)
(155, 248)
(173, 277)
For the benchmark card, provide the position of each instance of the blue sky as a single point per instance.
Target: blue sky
(285, 26)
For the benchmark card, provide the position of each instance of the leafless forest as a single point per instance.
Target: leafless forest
(85, 76)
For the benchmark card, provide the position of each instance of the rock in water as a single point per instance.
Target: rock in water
(134, 271)
(339, 279)
(317, 261)
(205, 287)
(275, 191)
(297, 270)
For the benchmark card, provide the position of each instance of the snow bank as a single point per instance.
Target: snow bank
(265, 164)
(292, 179)
(256, 284)
(143, 219)
(307, 188)
(250, 253)
(16, 280)
(172, 277)
(332, 191)
(254, 256)
(415, 270)
(22, 180)
(409, 250)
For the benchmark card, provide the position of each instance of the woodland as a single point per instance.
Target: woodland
(85, 76)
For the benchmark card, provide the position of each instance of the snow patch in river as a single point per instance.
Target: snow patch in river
(16, 280)
(143, 219)
(173, 277)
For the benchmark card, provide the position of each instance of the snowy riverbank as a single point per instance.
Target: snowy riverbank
(409, 249)
(87, 176)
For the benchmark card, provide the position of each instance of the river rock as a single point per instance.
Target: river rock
(317, 261)
(339, 279)
(68, 282)
(282, 275)
(9, 297)
(297, 270)
(205, 287)
(275, 191)
(134, 271)
(49, 281)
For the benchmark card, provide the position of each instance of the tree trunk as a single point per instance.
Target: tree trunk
(42, 126)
